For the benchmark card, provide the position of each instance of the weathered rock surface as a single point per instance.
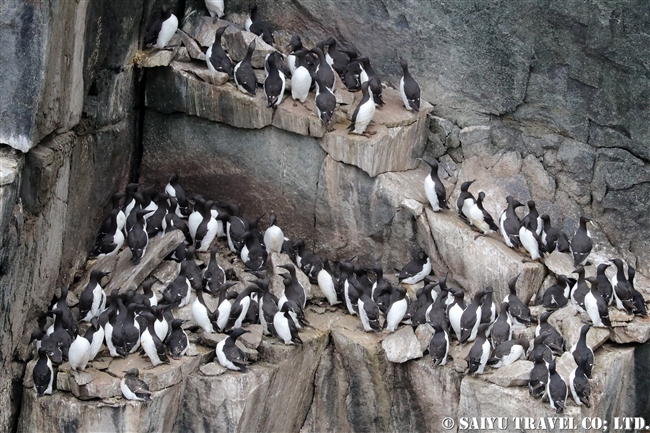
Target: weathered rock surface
(224, 163)
(399, 139)
(402, 345)
(478, 263)
(569, 322)
(515, 374)
(154, 58)
(237, 44)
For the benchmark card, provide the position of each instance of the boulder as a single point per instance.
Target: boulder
(154, 58)
(252, 339)
(192, 46)
(402, 345)
(201, 71)
(515, 374)
(159, 377)
(125, 275)
(478, 263)
(636, 331)
(203, 29)
(568, 321)
(302, 118)
(423, 333)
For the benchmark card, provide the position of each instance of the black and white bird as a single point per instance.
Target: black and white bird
(604, 284)
(581, 243)
(326, 283)
(552, 337)
(541, 349)
(374, 82)
(557, 296)
(582, 352)
(455, 311)
(596, 306)
(508, 352)
(325, 102)
(433, 187)
(396, 309)
(161, 30)
(215, 8)
(324, 71)
(206, 232)
(92, 300)
(152, 345)
(364, 112)
(109, 243)
(465, 201)
(368, 310)
(637, 298)
(79, 353)
(179, 290)
(529, 238)
(481, 218)
(240, 307)
(552, 237)
(409, 88)
(275, 81)
(479, 353)
(134, 388)
(339, 61)
(538, 376)
(285, 326)
(273, 236)
(216, 57)
(231, 356)
(471, 319)
(244, 73)
(556, 389)
(174, 190)
(509, 223)
(579, 290)
(415, 270)
(94, 334)
(138, 239)
(43, 374)
(202, 314)
(214, 275)
(623, 294)
(256, 25)
(300, 78)
(309, 263)
(178, 341)
(296, 45)
(579, 384)
(502, 328)
(518, 311)
(439, 345)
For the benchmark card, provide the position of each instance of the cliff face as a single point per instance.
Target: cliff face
(539, 100)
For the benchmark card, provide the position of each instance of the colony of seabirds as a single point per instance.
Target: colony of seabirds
(132, 322)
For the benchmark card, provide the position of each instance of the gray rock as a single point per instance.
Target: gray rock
(203, 29)
(253, 339)
(567, 320)
(383, 229)
(102, 385)
(301, 119)
(192, 46)
(541, 184)
(515, 374)
(399, 139)
(111, 415)
(159, 377)
(636, 331)
(402, 345)
(154, 58)
(184, 93)
(423, 334)
(211, 340)
(229, 167)
(125, 275)
(212, 369)
(182, 55)
(491, 261)
(201, 71)
(237, 45)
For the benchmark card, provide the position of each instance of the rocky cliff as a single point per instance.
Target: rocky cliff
(538, 100)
